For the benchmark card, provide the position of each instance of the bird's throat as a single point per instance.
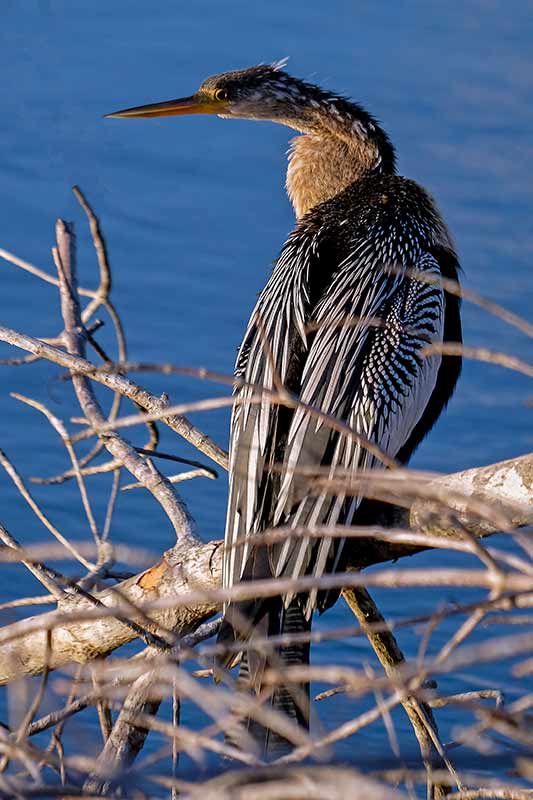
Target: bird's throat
(321, 165)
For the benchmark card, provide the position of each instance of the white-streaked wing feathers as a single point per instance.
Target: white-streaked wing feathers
(278, 316)
(369, 373)
(363, 366)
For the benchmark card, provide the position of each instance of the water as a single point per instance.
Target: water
(194, 212)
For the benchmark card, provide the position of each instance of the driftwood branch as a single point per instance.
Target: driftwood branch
(81, 633)
(197, 570)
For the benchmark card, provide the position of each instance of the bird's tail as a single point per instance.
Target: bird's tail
(266, 619)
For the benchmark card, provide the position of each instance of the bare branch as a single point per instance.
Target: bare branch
(119, 383)
(118, 447)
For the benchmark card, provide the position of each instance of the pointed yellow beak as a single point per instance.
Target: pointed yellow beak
(186, 105)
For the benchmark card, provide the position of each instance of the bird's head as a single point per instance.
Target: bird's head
(352, 141)
(261, 92)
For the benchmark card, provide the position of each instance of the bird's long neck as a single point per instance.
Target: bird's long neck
(340, 144)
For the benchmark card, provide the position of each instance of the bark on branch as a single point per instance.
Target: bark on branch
(78, 635)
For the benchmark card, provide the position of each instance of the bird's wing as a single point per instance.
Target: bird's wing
(364, 367)
(275, 330)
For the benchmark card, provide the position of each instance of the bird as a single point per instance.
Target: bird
(355, 296)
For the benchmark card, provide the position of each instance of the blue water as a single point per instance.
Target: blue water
(194, 212)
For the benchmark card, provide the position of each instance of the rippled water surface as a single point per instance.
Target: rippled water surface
(194, 212)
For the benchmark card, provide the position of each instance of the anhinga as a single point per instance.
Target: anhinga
(341, 322)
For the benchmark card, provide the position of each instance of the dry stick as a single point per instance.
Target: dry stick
(99, 469)
(55, 717)
(464, 631)
(394, 742)
(118, 447)
(86, 633)
(176, 459)
(42, 573)
(193, 602)
(467, 698)
(500, 721)
(104, 553)
(153, 439)
(494, 793)
(176, 720)
(508, 721)
(350, 727)
(59, 427)
(68, 474)
(104, 288)
(388, 723)
(208, 699)
(111, 466)
(22, 732)
(181, 599)
(222, 705)
(126, 739)
(125, 386)
(54, 551)
(39, 600)
(342, 731)
(37, 700)
(390, 656)
(187, 739)
(111, 504)
(128, 421)
(455, 288)
(55, 742)
(399, 536)
(183, 476)
(40, 273)
(104, 712)
(18, 362)
(19, 483)
(479, 354)
(98, 297)
(398, 487)
(102, 298)
(258, 393)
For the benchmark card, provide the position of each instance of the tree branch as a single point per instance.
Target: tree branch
(196, 570)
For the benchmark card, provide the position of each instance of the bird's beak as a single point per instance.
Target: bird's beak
(186, 105)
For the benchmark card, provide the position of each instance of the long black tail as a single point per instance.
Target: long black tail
(269, 618)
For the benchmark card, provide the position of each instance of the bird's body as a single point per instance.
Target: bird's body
(338, 331)
(345, 328)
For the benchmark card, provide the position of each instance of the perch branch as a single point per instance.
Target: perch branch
(195, 573)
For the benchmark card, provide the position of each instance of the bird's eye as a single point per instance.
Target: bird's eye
(221, 94)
